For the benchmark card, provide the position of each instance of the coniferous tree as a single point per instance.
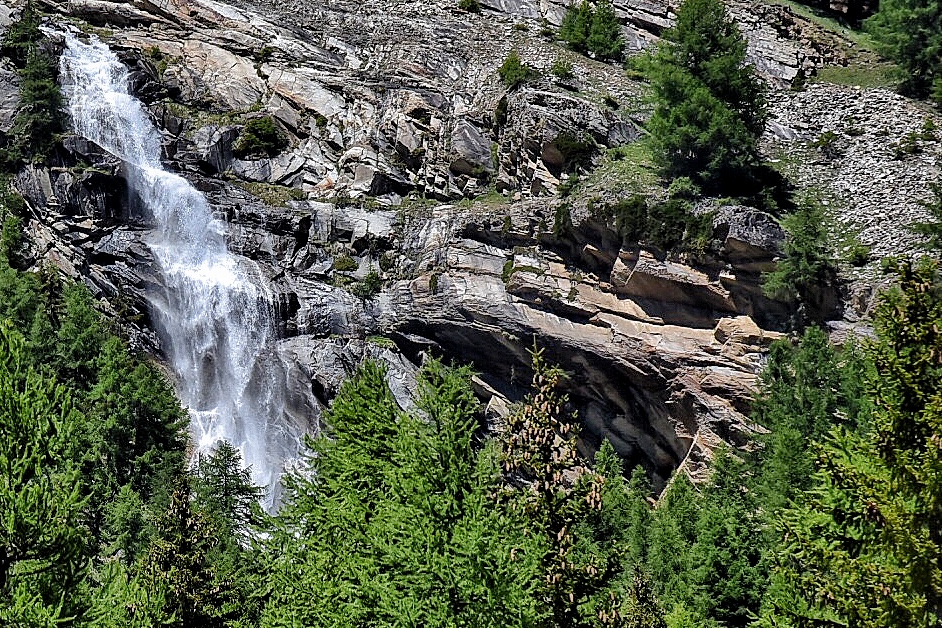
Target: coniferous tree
(709, 105)
(670, 537)
(910, 33)
(728, 569)
(395, 524)
(604, 39)
(596, 31)
(933, 228)
(806, 389)
(577, 25)
(22, 36)
(863, 546)
(807, 274)
(39, 117)
(556, 492)
(179, 563)
(42, 558)
(228, 501)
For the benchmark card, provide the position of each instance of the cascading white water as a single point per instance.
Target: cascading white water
(213, 313)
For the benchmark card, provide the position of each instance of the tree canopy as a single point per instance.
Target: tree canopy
(910, 33)
(709, 106)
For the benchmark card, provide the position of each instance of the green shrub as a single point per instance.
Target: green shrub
(858, 254)
(907, 146)
(562, 69)
(264, 54)
(827, 143)
(699, 232)
(683, 188)
(514, 72)
(471, 6)
(260, 136)
(500, 118)
(562, 220)
(369, 286)
(345, 264)
(667, 223)
(631, 218)
(508, 270)
(575, 149)
(566, 187)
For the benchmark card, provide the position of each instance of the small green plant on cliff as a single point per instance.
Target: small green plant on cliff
(829, 144)
(513, 72)
(576, 149)
(562, 69)
(369, 286)
(274, 195)
(260, 137)
(345, 264)
(471, 6)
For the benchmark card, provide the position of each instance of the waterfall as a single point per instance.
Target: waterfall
(213, 312)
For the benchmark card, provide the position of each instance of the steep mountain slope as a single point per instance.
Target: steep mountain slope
(409, 158)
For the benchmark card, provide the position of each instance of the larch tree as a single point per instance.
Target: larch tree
(863, 546)
(709, 104)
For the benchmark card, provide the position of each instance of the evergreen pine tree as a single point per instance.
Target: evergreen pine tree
(42, 557)
(604, 39)
(22, 36)
(933, 228)
(910, 33)
(179, 563)
(863, 546)
(396, 524)
(39, 117)
(709, 105)
(807, 274)
(577, 25)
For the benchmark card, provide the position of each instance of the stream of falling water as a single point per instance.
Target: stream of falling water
(213, 312)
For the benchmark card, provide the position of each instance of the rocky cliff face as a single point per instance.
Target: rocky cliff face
(397, 125)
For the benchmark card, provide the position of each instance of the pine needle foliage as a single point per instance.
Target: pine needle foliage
(394, 523)
(910, 33)
(709, 104)
(804, 277)
(593, 30)
(42, 559)
(863, 546)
